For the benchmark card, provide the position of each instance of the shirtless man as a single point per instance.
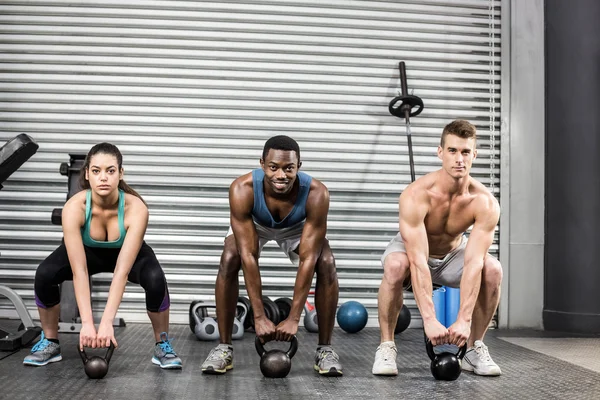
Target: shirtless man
(431, 247)
(277, 202)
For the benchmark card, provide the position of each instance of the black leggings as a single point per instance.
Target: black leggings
(146, 271)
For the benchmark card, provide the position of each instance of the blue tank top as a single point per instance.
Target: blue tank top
(262, 215)
(85, 229)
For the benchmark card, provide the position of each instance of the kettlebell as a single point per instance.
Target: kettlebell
(403, 320)
(206, 327)
(238, 321)
(311, 323)
(96, 367)
(445, 366)
(192, 320)
(276, 363)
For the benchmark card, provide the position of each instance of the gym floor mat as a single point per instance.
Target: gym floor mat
(527, 374)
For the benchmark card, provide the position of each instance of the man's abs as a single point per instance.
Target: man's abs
(441, 245)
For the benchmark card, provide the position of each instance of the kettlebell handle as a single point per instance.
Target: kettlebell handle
(260, 349)
(293, 347)
(85, 359)
(462, 351)
(244, 309)
(82, 354)
(429, 346)
(195, 308)
(109, 352)
(197, 317)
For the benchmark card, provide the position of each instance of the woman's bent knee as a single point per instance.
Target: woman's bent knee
(46, 285)
(154, 283)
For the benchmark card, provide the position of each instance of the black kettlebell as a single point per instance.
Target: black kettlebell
(96, 367)
(445, 366)
(403, 320)
(276, 363)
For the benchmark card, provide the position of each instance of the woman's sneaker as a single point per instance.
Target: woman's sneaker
(43, 352)
(219, 360)
(385, 360)
(164, 355)
(478, 360)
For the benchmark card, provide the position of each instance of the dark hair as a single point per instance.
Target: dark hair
(281, 142)
(461, 128)
(108, 149)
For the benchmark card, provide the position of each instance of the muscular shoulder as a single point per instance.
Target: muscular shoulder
(242, 186)
(317, 204)
(486, 205)
(241, 194)
(418, 191)
(318, 192)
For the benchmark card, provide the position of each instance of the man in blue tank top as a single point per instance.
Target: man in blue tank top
(279, 203)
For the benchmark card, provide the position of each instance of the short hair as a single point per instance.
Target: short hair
(281, 142)
(461, 128)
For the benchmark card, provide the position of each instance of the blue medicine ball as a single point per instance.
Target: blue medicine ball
(352, 316)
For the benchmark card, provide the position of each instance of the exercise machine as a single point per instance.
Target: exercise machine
(12, 155)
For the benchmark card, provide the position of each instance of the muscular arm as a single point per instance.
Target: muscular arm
(480, 240)
(73, 218)
(311, 245)
(241, 199)
(413, 210)
(137, 218)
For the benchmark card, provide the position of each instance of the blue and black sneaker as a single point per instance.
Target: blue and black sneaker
(164, 355)
(43, 352)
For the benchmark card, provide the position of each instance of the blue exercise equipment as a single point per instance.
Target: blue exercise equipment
(352, 316)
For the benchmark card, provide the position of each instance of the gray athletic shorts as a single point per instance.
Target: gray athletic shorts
(446, 271)
(287, 239)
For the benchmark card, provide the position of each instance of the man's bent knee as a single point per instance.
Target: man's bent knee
(492, 271)
(230, 261)
(396, 268)
(325, 267)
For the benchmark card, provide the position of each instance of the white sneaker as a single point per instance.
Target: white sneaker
(385, 359)
(478, 360)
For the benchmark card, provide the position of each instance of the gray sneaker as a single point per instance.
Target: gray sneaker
(327, 362)
(219, 360)
(164, 355)
(43, 352)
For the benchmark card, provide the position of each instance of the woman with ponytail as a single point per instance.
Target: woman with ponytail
(103, 228)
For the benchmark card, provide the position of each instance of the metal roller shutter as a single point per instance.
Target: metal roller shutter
(189, 91)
